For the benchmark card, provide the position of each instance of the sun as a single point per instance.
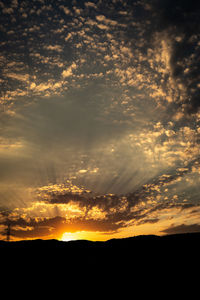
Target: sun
(68, 236)
(83, 235)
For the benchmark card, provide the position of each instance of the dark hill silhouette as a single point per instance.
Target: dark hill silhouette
(154, 251)
(143, 263)
(130, 243)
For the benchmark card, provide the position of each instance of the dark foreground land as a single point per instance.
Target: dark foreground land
(152, 251)
(148, 266)
(143, 265)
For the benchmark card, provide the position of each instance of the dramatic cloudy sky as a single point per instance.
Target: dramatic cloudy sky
(99, 118)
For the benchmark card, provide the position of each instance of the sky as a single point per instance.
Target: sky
(99, 118)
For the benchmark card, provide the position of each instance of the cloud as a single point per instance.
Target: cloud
(103, 19)
(57, 48)
(79, 209)
(33, 228)
(20, 77)
(14, 3)
(44, 128)
(90, 4)
(112, 215)
(179, 21)
(69, 36)
(69, 71)
(183, 228)
(8, 10)
(102, 26)
(50, 228)
(65, 9)
(109, 204)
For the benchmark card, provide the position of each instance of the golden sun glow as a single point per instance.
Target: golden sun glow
(84, 235)
(68, 236)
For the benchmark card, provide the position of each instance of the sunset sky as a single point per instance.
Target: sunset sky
(99, 118)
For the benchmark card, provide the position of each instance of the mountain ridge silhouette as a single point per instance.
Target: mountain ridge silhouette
(183, 241)
(149, 254)
(179, 237)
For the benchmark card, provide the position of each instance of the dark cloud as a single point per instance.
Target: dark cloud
(150, 221)
(180, 21)
(172, 175)
(56, 226)
(104, 202)
(183, 228)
